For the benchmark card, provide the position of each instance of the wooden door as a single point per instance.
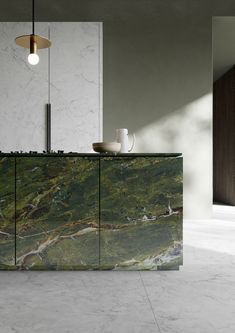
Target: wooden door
(224, 139)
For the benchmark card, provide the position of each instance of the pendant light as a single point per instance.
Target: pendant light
(33, 42)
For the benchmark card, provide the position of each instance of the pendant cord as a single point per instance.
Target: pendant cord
(48, 107)
(49, 66)
(33, 18)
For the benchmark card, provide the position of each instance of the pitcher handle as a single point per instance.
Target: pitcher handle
(133, 143)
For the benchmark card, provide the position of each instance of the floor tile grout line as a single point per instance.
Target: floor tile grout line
(150, 304)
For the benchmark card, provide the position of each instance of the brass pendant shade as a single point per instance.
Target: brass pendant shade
(25, 40)
(33, 41)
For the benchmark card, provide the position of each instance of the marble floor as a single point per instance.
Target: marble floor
(200, 298)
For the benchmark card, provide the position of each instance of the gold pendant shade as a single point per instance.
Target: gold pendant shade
(33, 42)
(26, 40)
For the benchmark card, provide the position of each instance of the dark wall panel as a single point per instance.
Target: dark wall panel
(224, 138)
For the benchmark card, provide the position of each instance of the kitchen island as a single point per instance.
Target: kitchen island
(90, 211)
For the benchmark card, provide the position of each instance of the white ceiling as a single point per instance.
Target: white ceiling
(223, 44)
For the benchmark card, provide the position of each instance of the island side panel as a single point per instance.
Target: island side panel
(7, 212)
(141, 213)
(57, 217)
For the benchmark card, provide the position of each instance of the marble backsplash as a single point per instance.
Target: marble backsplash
(76, 87)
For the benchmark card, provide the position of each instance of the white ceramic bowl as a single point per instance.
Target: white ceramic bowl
(106, 147)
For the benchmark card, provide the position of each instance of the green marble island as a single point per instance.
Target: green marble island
(7, 212)
(90, 211)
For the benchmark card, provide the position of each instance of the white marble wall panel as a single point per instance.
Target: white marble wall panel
(76, 87)
(76, 105)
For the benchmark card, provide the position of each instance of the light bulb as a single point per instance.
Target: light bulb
(33, 58)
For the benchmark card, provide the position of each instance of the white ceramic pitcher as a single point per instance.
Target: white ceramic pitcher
(123, 138)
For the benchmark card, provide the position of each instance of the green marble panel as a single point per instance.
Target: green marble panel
(7, 212)
(141, 213)
(57, 215)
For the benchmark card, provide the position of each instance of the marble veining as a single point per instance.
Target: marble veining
(91, 212)
(76, 87)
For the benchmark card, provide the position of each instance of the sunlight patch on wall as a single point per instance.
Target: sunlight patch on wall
(187, 131)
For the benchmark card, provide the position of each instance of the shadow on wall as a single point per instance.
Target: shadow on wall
(187, 131)
(152, 69)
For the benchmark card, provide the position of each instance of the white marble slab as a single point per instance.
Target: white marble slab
(76, 87)
(84, 302)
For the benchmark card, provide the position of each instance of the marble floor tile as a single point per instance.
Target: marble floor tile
(200, 298)
(72, 302)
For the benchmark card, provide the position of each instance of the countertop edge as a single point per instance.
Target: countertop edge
(72, 154)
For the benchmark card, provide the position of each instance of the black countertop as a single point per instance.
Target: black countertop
(75, 154)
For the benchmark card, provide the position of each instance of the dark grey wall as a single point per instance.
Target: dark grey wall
(157, 75)
(223, 45)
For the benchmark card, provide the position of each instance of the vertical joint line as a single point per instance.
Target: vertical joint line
(99, 209)
(15, 210)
